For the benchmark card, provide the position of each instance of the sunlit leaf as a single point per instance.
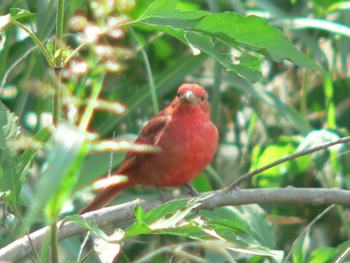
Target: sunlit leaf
(15, 14)
(203, 29)
(121, 146)
(338, 6)
(108, 181)
(163, 212)
(239, 229)
(317, 137)
(323, 255)
(108, 248)
(4, 20)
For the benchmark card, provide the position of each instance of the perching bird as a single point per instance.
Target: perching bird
(187, 139)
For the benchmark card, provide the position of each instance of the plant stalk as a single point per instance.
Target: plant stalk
(54, 243)
(58, 61)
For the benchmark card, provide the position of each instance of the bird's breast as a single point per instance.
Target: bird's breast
(188, 145)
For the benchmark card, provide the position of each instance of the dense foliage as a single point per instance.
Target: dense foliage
(79, 79)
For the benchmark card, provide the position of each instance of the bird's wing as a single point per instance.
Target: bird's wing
(150, 134)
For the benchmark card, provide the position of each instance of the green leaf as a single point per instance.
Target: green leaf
(163, 7)
(259, 227)
(106, 246)
(275, 176)
(244, 230)
(245, 65)
(323, 255)
(15, 14)
(14, 165)
(338, 6)
(316, 138)
(204, 29)
(201, 183)
(9, 129)
(20, 14)
(86, 224)
(9, 160)
(139, 214)
(27, 156)
(60, 175)
(301, 248)
(162, 216)
(67, 156)
(272, 177)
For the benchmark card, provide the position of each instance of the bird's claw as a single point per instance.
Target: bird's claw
(191, 190)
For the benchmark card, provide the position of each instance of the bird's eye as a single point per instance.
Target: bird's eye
(204, 97)
(178, 94)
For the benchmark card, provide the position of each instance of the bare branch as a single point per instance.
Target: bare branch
(110, 215)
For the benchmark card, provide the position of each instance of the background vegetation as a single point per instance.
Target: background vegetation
(78, 80)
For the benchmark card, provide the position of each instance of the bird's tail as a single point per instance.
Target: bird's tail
(105, 197)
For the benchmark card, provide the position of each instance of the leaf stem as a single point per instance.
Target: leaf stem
(54, 242)
(59, 33)
(57, 104)
(89, 110)
(58, 61)
(37, 42)
(151, 83)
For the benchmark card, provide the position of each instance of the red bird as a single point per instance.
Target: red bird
(188, 141)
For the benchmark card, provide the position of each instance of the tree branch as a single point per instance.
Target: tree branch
(108, 216)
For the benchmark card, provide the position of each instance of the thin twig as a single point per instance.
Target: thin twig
(86, 257)
(14, 64)
(83, 246)
(287, 159)
(110, 215)
(343, 256)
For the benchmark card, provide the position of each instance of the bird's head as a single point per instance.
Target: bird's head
(192, 96)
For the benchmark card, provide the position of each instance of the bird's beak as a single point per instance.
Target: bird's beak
(188, 97)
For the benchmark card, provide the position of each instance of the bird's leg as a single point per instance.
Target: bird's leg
(161, 194)
(191, 191)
